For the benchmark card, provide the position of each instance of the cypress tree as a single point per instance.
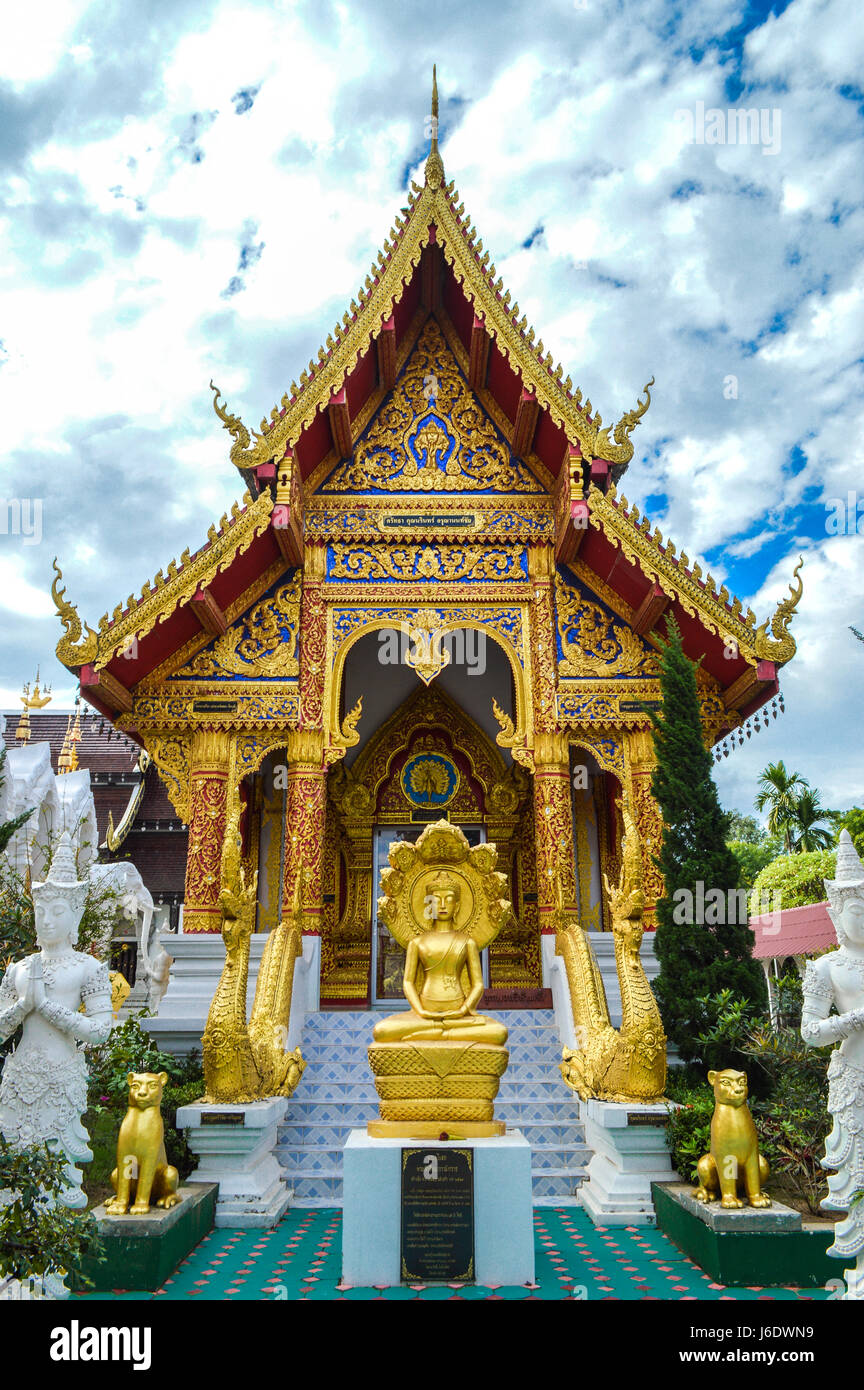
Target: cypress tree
(700, 951)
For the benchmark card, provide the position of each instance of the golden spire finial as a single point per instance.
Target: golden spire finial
(66, 760)
(434, 171)
(38, 700)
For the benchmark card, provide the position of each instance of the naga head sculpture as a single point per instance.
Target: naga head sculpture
(627, 898)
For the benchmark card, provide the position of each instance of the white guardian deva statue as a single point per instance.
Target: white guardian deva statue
(838, 978)
(43, 1089)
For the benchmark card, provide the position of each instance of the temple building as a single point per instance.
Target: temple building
(431, 600)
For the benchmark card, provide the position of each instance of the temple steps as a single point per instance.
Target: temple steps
(337, 1094)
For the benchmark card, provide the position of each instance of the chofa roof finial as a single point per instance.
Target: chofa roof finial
(434, 171)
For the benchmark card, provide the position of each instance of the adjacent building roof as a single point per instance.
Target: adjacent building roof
(798, 931)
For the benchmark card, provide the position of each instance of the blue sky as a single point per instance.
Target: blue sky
(192, 189)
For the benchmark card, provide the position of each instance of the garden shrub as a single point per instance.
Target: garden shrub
(797, 878)
(37, 1234)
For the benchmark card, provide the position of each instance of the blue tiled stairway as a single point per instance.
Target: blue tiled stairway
(337, 1094)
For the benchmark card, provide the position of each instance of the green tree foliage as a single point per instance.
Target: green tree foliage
(796, 877)
(746, 829)
(809, 831)
(37, 1234)
(853, 821)
(696, 959)
(752, 859)
(795, 813)
(778, 792)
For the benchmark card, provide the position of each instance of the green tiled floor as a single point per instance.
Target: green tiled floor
(301, 1259)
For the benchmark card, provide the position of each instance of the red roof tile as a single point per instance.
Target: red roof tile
(798, 931)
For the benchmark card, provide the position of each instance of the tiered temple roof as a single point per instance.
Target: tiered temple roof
(432, 264)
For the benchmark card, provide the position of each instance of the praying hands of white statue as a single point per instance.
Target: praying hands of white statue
(818, 1029)
(13, 1010)
(93, 1027)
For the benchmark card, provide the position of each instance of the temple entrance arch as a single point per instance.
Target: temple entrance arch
(429, 759)
(423, 638)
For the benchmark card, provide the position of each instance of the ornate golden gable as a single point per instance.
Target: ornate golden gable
(432, 436)
(592, 643)
(261, 645)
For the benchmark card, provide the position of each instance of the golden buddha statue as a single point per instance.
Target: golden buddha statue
(439, 1064)
(434, 963)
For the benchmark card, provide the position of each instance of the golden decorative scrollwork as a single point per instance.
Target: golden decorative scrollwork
(243, 703)
(263, 645)
(426, 656)
(172, 755)
(783, 647)
(371, 519)
(594, 645)
(349, 735)
(630, 419)
(71, 649)
(235, 427)
(432, 436)
(427, 562)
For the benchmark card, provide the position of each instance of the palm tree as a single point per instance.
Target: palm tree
(808, 812)
(779, 791)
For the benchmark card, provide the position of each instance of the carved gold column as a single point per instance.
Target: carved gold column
(515, 952)
(527, 866)
(553, 819)
(639, 764)
(329, 889)
(313, 638)
(553, 825)
(305, 809)
(354, 950)
(541, 618)
(208, 797)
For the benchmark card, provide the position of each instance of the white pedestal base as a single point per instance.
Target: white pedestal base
(240, 1158)
(371, 1218)
(630, 1152)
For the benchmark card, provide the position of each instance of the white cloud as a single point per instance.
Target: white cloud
(17, 595)
(123, 226)
(35, 38)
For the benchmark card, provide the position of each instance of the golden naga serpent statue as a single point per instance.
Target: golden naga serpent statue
(247, 1063)
(626, 1064)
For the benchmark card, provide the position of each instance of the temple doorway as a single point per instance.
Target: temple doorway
(388, 957)
(427, 751)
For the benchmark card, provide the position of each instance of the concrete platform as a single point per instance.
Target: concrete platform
(141, 1252)
(503, 1230)
(743, 1246)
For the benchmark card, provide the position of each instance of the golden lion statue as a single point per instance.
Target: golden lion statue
(734, 1165)
(143, 1173)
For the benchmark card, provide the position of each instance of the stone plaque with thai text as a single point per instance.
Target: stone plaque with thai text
(437, 1215)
